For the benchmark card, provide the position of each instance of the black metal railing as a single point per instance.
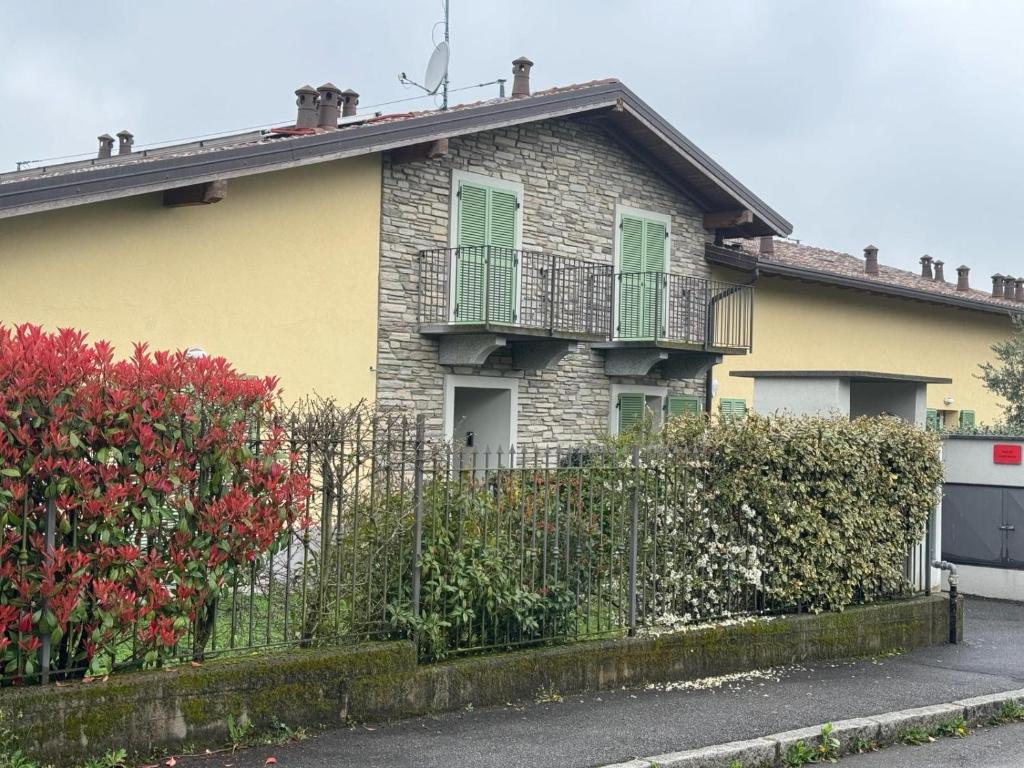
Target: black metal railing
(488, 285)
(656, 306)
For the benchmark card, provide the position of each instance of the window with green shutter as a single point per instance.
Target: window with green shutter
(643, 261)
(632, 407)
(486, 262)
(680, 404)
(732, 407)
(932, 422)
(966, 419)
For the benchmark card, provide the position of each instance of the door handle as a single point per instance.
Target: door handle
(1007, 527)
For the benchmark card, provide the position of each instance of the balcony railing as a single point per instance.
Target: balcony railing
(492, 287)
(680, 309)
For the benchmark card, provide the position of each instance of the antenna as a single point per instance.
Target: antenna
(436, 76)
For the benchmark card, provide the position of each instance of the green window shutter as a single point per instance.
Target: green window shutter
(502, 263)
(732, 407)
(631, 410)
(966, 418)
(680, 404)
(485, 278)
(655, 246)
(655, 287)
(631, 314)
(932, 422)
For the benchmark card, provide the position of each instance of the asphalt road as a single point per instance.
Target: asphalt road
(592, 730)
(1001, 747)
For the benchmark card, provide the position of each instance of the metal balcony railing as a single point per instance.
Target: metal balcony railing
(661, 307)
(563, 296)
(492, 286)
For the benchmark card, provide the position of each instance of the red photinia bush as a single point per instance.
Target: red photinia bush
(158, 492)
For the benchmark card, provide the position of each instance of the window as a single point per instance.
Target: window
(642, 256)
(680, 404)
(966, 419)
(486, 231)
(633, 404)
(932, 422)
(732, 407)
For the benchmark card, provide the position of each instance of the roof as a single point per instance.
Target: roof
(615, 107)
(821, 265)
(858, 376)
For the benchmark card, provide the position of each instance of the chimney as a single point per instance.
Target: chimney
(521, 81)
(997, 286)
(940, 276)
(305, 99)
(124, 142)
(330, 105)
(1009, 288)
(767, 246)
(349, 100)
(926, 266)
(106, 146)
(871, 260)
(1019, 291)
(963, 278)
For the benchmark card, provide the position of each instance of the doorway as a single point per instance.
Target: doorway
(480, 418)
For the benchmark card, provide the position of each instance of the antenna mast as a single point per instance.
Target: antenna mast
(444, 83)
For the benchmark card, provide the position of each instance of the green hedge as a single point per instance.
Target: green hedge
(837, 503)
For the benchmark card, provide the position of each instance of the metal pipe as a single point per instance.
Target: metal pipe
(954, 580)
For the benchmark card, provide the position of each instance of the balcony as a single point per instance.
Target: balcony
(477, 300)
(686, 323)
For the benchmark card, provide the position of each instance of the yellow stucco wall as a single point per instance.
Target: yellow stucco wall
(280, 277)
(803, 326)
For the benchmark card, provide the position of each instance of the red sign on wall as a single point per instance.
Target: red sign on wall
(1006, 454)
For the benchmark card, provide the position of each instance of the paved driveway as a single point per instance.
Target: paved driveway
(592, 730)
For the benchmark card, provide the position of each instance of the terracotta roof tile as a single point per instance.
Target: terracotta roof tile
(791, 253)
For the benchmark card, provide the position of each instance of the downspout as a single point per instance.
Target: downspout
(709, 331)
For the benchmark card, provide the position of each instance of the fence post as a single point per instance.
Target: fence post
(46, 648)
(929, 554)
(634, 514)
(417, 513)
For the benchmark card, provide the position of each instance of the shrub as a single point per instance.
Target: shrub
(836, 503)
(157, 493)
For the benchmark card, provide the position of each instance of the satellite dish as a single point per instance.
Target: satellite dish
(437, 68)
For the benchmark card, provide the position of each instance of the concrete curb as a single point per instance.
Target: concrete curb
(884, 730)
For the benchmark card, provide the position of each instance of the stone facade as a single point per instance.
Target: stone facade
(574, 175)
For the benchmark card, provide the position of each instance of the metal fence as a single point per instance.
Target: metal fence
(468, 550)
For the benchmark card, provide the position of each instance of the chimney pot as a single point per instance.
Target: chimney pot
(106, 146)
(329, 100)
(767, 245)
(349, 100)
(963, 278)
(926, 267)
(521, 80)
(124, 142)
(940, 275)
(997, 286)
(871, 260)
(306, 100)
(1009, 288)
(1019, 290)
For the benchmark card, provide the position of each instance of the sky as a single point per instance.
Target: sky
(892, 122)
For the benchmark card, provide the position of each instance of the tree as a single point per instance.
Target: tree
(1007, 378)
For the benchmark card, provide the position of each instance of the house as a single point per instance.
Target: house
(834, 332)
(527, 269)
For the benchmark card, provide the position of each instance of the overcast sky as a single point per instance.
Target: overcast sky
(896, 122)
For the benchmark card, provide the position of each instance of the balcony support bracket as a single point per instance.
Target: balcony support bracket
(632, 361)
(542, 354)
(689, 365)
(470, 349)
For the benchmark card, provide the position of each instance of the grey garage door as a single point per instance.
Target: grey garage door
(983, 525)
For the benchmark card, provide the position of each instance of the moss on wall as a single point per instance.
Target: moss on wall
(148, 711)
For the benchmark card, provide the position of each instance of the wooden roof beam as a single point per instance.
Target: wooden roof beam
(196, 194)
(728, 219)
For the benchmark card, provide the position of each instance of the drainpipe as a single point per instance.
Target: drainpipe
(709, 376)
(942, 565)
